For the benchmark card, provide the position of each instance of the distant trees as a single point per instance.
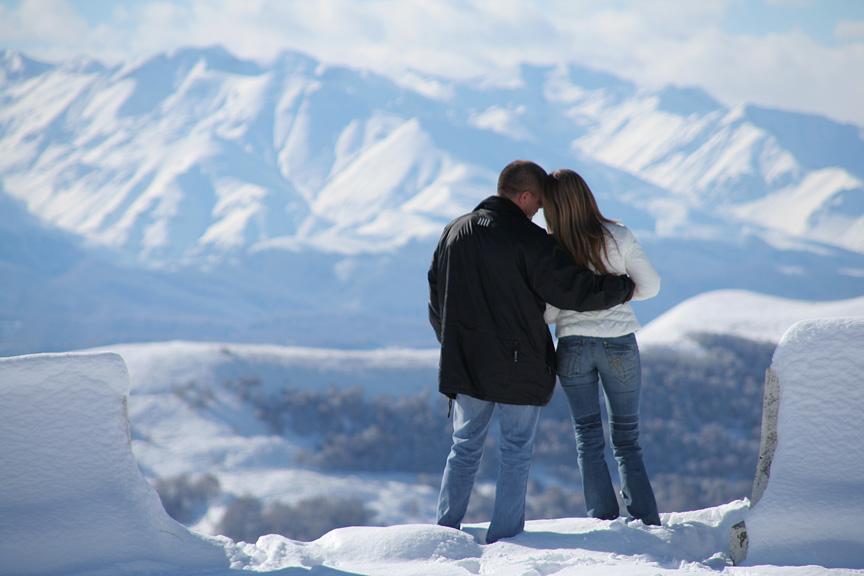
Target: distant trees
(356, 433)
(247, 518)
(700, 428)
(187, 498)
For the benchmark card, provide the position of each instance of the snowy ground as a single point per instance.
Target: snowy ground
(73, 502)
(692, 541)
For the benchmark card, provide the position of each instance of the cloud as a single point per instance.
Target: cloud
(849, 30)
(37, 19)
(656, 43)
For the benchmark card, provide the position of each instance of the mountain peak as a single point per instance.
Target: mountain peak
(14, 65)
(816, 141)
(295, 60)
(686, 100)
(595, 79)
(215, 56)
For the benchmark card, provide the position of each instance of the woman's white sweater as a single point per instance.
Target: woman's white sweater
(624, 256)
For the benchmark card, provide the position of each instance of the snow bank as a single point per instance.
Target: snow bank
(695, 542)
(740, 313)
(812, 511)
(71, 496)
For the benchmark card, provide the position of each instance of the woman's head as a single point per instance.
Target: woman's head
(573, 218)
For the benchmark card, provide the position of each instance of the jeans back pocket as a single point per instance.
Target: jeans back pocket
(569, 356)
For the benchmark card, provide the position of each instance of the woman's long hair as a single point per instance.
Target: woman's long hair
(573, 218)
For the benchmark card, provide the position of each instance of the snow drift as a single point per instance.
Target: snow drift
(72, 497)
(811, 508)
(741, 313)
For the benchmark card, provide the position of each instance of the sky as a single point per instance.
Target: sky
(802, 55)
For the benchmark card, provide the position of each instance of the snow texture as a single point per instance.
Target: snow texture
(811, 510)
(71, 495)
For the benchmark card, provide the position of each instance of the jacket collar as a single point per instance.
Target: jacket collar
(501, 205)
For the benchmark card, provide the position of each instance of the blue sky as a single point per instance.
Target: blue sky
(805, 55)
(817, 19)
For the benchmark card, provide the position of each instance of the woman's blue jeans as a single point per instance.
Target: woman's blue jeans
(583, 363)
(471, 418)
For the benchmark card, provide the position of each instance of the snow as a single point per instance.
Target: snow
(367, 186)
(73, 502)
(565, 546)
(503, 121)
(72, 497)
(157, 367)
(792, 208)
(740, 313)
(811, 510)
(213, 170)
(223, 437)
(103, 153)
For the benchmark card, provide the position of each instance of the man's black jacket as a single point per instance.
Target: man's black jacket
(491, 276)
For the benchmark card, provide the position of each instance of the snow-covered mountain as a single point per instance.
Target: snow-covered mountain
(302, 201)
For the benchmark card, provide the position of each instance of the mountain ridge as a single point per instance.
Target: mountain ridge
(309, 197)
(216, 110)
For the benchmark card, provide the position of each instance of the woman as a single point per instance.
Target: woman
(600, 347)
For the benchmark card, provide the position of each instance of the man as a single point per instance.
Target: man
(491, 276)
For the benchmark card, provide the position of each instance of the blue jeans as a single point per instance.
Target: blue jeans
(471, 418)
(584, 362)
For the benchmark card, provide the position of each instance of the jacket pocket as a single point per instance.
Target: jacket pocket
(488, 356)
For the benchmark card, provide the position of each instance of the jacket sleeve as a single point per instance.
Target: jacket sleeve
(433, 278)
(434, 311)
(558, 280)
(640, 270)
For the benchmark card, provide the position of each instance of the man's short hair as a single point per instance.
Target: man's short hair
(519, 176)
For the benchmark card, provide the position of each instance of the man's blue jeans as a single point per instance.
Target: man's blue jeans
(471, 418)
(583, 362)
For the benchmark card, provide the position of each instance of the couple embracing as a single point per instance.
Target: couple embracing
(495, 282)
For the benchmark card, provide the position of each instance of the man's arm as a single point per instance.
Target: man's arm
(432, 276)
(434, 312)
(559, 281)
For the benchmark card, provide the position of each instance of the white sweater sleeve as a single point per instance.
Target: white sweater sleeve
(640, 270)
(551, 314)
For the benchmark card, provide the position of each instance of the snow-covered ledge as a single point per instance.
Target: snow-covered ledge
(807, 503)
(71, 496)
